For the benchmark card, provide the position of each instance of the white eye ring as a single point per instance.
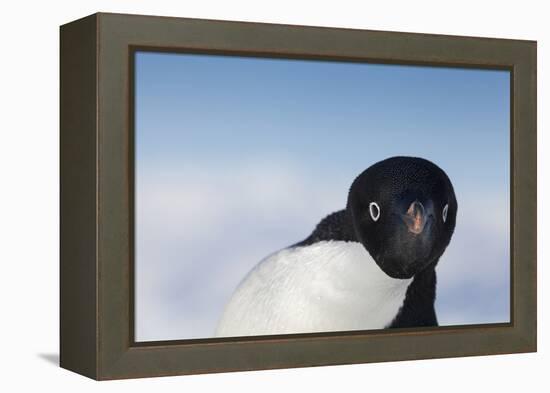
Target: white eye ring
(374, 211)
(445, 211)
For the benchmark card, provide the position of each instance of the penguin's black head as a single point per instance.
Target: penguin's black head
(403, 211)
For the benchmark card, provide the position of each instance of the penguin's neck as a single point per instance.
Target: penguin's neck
(349, 284)
(352, 268)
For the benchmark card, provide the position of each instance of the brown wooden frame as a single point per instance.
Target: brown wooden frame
(96, 268)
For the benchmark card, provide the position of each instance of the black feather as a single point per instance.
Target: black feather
(335, 226)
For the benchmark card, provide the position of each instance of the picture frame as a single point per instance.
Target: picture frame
(97, 196)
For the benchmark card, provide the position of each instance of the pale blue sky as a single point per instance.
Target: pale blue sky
(262, 149)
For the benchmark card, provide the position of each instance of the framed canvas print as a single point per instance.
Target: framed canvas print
(240, 196)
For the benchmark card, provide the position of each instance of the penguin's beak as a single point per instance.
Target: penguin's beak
(415, 218)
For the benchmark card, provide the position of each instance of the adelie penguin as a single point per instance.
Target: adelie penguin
(369, 266)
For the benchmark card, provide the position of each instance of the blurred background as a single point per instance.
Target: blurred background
(239, 157)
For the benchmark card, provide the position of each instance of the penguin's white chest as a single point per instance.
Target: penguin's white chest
(327, 286)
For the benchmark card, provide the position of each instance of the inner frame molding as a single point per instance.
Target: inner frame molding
(97, 196)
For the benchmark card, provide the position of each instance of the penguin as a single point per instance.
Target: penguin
(368, 266)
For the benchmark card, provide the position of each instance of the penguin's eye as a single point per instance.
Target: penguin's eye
(445, 211)
(374, 211)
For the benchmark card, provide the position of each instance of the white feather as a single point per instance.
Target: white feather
(327, 286)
